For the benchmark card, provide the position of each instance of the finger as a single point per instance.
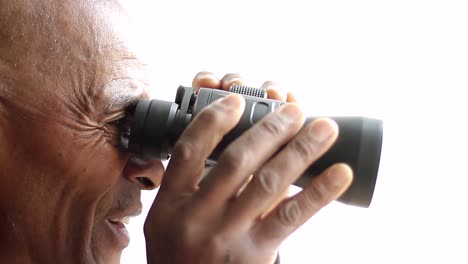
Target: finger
(250, 151)
(207, 80)
(243, 186)
(296, 210)
(278, 199)
(198, 141)
(291, 98)
(278, 174)
(229, 79)
(274, 91)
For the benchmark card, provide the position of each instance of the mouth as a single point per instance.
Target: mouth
(119, 230)
(117, 227)
(124, 220)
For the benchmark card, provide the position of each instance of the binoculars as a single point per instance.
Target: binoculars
(156, 125)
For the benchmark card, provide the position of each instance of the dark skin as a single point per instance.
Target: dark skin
(67, 76)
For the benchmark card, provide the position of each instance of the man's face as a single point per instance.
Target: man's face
(69, 187)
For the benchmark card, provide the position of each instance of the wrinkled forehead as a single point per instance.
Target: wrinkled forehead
(46, 42)
(119, 57)
(126, 58)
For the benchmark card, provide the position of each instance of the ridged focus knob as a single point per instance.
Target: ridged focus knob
(246, 90)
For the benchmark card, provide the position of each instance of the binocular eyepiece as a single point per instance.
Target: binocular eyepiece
(157, 124)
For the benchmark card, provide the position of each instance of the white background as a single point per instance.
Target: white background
(405, 62)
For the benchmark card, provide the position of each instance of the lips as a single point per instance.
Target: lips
(124, 220)
(116, 225)
(119, 232)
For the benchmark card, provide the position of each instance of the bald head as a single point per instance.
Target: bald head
(39, 34)
(40, 38)
(45, 44)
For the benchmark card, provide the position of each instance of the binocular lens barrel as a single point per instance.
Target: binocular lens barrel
(157, 125)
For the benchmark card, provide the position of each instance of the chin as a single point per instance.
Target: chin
(105, 256)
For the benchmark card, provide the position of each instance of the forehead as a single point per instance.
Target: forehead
(78, 49)
(116, 62)
(128, 78)
(123, 86)
(74, 61)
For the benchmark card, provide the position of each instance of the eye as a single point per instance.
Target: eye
(123, 126)
(122, 122)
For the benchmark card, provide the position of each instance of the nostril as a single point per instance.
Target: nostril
(146, 182)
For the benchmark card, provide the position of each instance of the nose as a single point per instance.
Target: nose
(147, 174)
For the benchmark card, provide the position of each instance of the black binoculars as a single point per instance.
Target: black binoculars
(157, 124)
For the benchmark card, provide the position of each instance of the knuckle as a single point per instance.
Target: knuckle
(185, 237)
(268, 85)
(317, 195)
(303, 148)
(233, 158)
(184, 150)
(289, 214)
(216, 243)
(231, 77)
(268, 181)
(203, 74)
(274, 125)
(217, 248)
(184, 231)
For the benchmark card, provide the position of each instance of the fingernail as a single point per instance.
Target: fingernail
(204, 75)
(232, 79)
(322, 130)
(279, 91)
(282, 91)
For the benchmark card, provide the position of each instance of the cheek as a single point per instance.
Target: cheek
(87, 163)
(95, 166)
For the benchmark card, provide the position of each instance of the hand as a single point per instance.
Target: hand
(274, 91)
(212, 221)
(209, 80)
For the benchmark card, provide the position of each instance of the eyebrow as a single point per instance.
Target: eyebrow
(122, 94)
(126, 103)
